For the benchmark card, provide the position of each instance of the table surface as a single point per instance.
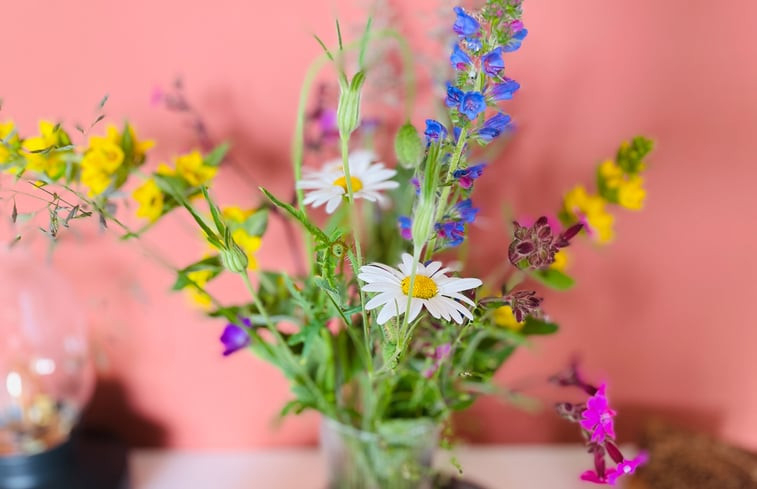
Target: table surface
(495, 467)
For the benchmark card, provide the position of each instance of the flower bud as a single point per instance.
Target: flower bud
(423, 221)
(233, 258)
(408, 146)
(348, 110)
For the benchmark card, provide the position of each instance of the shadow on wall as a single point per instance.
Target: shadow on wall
(110, 412)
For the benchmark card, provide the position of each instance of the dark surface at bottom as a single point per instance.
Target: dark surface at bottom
(448, 482)
(87, 461)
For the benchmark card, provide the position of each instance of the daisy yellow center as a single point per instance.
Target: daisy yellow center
(423, 287)
(342, 182)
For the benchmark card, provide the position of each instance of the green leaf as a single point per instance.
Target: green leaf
(325, 49)
(167, 185)
(215, 157)
(212, 263)
(552, 278)
(103, 101)
(214, 211)
(538, 326)
(257, 223)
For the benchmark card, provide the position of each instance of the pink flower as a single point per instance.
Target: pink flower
(626, 467)
(598, 417)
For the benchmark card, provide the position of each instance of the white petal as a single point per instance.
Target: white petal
(388, 312)
(377, 286)
(458, 284)
(433, 307)
(433, 267)
(415, 308)
(381, 299)
(459, 296)
(333, 204)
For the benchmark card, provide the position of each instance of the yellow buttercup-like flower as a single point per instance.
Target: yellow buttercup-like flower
(236, 214)
(191, 168)
(51, 162)
(561, 260)
(631, 193)
(590, 209)
(150, 200)
(504, 316)
(200, 277)
(6, 129)
(101, 161)
(138, 148)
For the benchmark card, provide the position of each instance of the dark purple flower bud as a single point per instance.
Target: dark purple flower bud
(234, 338)
(614, 452)
(465, 25)
(537, 245)
(524, 303)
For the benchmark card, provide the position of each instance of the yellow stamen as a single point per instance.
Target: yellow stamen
(342, 182)
(423, 287)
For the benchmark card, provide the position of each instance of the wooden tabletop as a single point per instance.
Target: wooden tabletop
(492, 466)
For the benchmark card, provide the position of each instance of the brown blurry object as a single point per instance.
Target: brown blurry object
(682, 459)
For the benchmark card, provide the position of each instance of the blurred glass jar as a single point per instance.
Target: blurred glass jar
(46, 376)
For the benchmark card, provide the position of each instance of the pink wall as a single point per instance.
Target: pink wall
(662, 313)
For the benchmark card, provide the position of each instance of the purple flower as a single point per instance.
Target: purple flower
(538, 244)
(504, 90)
(459, 59)
(235, 337)
(406, 227)
(626, 467)
(453, 232)
(435, 131)
(493, 63)
(465, 25)
(440, 354)
(465, 211)
(591, 476)
(472, 104)
(516, 40)
(454, 95)
(493, 127)
(598, 417)
(417, 184)
(473, 44)
(524, 303)
(466, 176)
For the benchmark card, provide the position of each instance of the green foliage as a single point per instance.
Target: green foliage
(553, 278)
(631, 155)
(408, 146)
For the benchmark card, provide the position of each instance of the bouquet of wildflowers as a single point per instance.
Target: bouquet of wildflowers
(383, 334)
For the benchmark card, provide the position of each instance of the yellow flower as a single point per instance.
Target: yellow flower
(50, 163)
(192, 169)
(101, 161)
(631, 193)
(150, 199)
(236, 214)
(503, 316)
(590, 208)
(6, 128)
(611, 174)
(249, 244)
(561, 261)
(200, 277)
(139, 148)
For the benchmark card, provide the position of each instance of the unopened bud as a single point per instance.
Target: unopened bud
(408, 146)
(348, 109)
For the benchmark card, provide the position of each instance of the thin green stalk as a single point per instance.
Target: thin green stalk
(326, 408)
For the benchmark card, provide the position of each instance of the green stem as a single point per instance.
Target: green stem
(325, 407)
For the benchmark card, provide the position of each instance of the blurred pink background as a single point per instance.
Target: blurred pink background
(663, 313)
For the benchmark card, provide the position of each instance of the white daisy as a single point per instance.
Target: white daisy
(432, 289)
(329, 185)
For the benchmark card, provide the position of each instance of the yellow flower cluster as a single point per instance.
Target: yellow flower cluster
(192, 170)
(201, 278)
(503, 316)
(579, 205)
(8, 139)
(39, 154)
(109, 159)
(629, 189)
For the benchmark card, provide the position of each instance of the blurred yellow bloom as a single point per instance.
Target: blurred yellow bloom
(611, 173)
(150, 200)
(50, 163)
(561, 260)
(200, 277)
(631, 193)
(6, 128)
(591, 209)
(101, 161)
(139, 148)
(503, 316)
(191, 168)
(236, 214)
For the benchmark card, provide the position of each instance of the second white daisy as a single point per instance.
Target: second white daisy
(432, 289)
(329, 185)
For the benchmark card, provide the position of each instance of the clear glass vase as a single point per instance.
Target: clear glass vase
(398, 456)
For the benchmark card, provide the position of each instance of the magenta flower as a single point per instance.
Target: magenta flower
(598, 417)
(626, 467)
